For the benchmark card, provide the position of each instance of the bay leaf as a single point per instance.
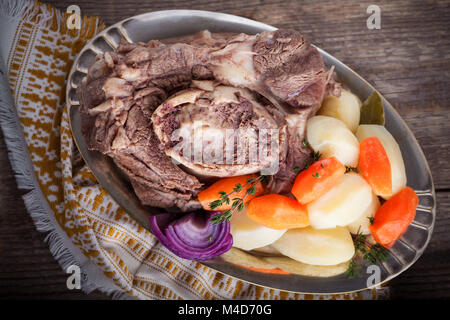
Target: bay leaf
(372, 111)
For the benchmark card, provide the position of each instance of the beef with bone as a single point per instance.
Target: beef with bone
(278, 74)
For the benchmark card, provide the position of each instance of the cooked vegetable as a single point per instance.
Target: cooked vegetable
(331, 137)
(346, 108)
(217, 196)
(393, 152)
(246, 259)
(192, 236)
(264, 270)
(309, 270)
(394, 217)
(269, 250)
(372, 111)
(317, 180)
(243, 258)
(362, 224)
(375, 166)
(342, 204)
(278, 212)
(248, 234)
(317, 247)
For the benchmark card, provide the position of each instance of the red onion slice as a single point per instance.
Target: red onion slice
(192, 236)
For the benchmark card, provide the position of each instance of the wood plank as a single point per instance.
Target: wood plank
(429, 277)
(27, 268)
(407, 61)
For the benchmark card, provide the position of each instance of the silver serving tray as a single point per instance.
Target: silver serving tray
(171, 23)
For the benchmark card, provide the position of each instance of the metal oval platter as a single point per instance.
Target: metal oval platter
(166, 24)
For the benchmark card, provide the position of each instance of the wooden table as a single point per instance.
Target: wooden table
(407, 60)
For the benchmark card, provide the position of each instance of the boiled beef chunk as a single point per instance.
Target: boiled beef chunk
(205, 120)
(290, 67)
(136, 100)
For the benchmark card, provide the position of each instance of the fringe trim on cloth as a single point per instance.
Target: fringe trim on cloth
(35, 202)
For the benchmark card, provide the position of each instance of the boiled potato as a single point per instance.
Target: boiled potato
(305, 269)
(269, 250)
(318, 247)
(346, 108)
(331, 137)
(342, 205)
(243, 258)
(362, 224)
(392, 150)
(248, 234)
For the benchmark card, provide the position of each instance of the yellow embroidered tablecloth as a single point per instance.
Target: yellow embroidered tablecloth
(85, 226)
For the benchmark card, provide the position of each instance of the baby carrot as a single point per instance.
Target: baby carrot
(278, 212)
(394, 216)
(264, 270)
(317, 180)
(375, 166)
(227, 186)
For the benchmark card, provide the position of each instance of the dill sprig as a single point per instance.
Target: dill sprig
(370, 252)
(237, 203)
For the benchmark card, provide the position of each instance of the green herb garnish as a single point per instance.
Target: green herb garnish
(349, 169)
(372, 111)
(370, 252)
(316, 156)
(238, 203)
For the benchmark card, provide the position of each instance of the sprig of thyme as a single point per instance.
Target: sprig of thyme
(349, 169)
(237, 203)
(369, 252)
(314, 157)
